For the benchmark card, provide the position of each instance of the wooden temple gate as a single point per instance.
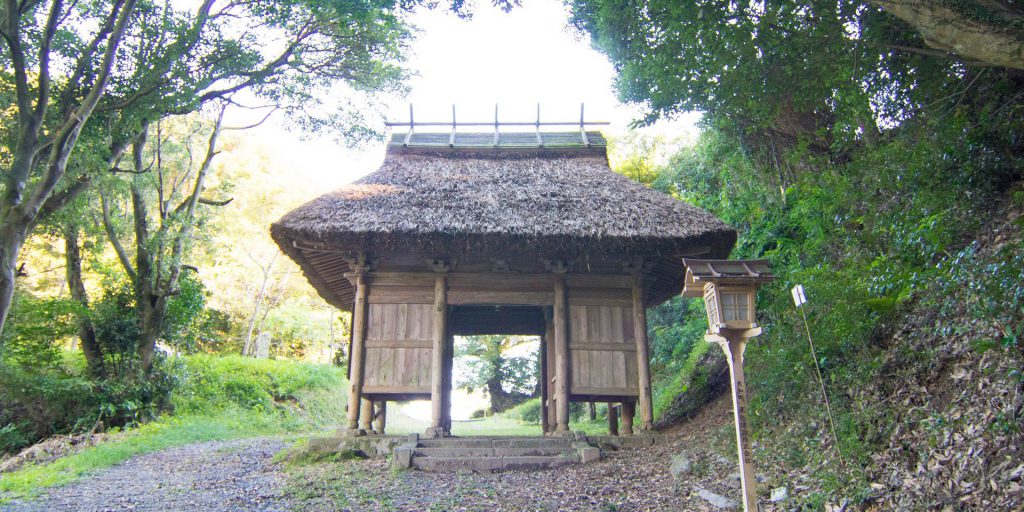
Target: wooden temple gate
(593, 330)
(525, 233)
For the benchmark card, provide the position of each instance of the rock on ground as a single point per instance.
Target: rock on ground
(212, 476)
(717, 500)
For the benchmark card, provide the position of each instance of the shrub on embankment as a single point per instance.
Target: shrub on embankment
(265, 394)
(912, 256)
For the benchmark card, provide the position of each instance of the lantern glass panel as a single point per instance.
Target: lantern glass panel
(735, 306)
(711, 304)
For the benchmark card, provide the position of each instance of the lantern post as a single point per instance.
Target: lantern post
(729, 289)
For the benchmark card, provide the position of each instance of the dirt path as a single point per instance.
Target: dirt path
(240, 476)
(637, 480)
(213, 476)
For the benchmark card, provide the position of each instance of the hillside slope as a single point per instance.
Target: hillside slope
(935, 420)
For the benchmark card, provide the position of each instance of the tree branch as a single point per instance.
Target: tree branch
(108, 226)
(211, 202)
(946, 29)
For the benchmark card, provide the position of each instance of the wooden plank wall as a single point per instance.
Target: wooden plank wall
(602, 343)
(398, 348)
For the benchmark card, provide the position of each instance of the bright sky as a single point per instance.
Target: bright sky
(516, 59)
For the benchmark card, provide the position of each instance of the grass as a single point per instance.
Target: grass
(497, 425)
(165, 433)
(232, 397)
(220, 398)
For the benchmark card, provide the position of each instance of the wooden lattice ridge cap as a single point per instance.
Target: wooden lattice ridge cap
(506, 135)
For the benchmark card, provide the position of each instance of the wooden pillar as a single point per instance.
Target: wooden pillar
(592, 411)
(446, 390)
(613, 420)
(561, 356)
(552, 372)
(544, 387)
(628, 411)
(356, 357)
(366, 415)
(437, 367)
(734, 347)
(380, 419)
(643, 357)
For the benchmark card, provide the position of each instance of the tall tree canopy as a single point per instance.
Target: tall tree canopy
(79, 80)
(814, 75)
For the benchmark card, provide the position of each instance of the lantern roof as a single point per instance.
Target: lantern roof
(699, 272)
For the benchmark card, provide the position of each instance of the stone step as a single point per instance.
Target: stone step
(522, 442)
(492, 464)
(492, 451)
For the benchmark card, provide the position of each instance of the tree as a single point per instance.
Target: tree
(172, 62)
(507, 379)
(43, 142)
(799, 81)
(164, 197)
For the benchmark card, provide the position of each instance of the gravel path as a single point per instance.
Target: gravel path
(240, 476)
(213, 476)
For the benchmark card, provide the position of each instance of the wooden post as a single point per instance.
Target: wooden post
(438, 357)
(446, 390)
(544, 387)
(734, 347)
(613, 420)
(628, 411)
(357, 357)
(380, 419)
(643, 357)
(366, 415)
(592, 411)
(552, 371)
(561, 357)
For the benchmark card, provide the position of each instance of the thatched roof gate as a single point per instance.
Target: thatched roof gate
(518, 234)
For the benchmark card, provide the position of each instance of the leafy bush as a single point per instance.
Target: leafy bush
(37, 404)
(210, 384)
(528, 411)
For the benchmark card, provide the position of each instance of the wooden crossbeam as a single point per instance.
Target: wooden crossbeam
(497, 124)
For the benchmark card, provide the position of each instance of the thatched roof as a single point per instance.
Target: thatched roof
(480, 201)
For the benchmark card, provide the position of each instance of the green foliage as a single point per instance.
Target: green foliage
(869, 238)
(183, 320)
(210, 384)
(508, 379)
(117, 327)
(36, 403)
(215, 398)
(35, 330)
(528, 411)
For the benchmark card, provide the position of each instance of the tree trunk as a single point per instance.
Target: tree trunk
(12, 237)
(151, 320)
(86, 333)
(500, 400)
(946, 29)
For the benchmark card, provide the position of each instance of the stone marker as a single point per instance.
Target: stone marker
(263, 345)
(779, 494)
(681, 465)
